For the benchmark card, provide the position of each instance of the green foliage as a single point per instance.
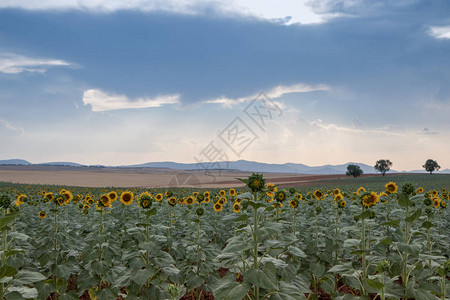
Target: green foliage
(431, 166)
(354, 170)
(383, 165)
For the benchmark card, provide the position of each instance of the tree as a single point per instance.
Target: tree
(354, 170)
(431, 166)
(383, 165)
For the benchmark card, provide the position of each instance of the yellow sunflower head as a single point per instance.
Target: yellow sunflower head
(159, 197)
(318, 194)
(391, 187)
(360, 191)
(370, 199)
(218, 207)
(293, 203)
(112, 196)
(232, 192)
(126, 198)
(236, 207)
(42, 214)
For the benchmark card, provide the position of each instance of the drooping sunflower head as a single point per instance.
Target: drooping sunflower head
(126, 198)
(200, 211)
(280, 196)
(48, 197)
(236, 207)
(5, 201)
(145, 201)
(42, 214)
(443, 204)
(318, 194)
(360, 191)
(391, 187)
(68, 196)
(200, 197)
(218, 207)
(168, 194)
(255, 182)
(370, 199)
(408, 188)
(60, 200)
(293, 203)
(21, 199)
(338, 197)
(383, 197)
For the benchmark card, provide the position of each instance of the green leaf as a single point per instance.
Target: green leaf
(7, 271)
(62, 271)
(24, 291)
(416, 215)
(414, 250)
(28, 277)
(297, 252)
(5, 220)
(150, 212)
(256, 205)
(395, 223)
(239, 291)
(317, 269)
(352, 243)
(404, 201)
(344, 268)
(386, 241)
(375, 284)
(427, 224)
(260, 279)
(140, 277)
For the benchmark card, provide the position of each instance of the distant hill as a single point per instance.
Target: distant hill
(252, 166)
(63, 163)
(14, 162)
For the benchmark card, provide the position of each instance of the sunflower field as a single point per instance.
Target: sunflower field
(257, 242)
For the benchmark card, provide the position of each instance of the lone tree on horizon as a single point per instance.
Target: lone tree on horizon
(383, 165)
(431, 166)
(354, 170)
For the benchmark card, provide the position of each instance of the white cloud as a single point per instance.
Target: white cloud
(11, 63)
(10, 127)
(282, 11)
(274, 93)
(440, 32)
(102, 101)
(385, 130)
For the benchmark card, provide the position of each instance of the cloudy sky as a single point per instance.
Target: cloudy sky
(313, 82)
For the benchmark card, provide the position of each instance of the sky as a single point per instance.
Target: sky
(315, 82)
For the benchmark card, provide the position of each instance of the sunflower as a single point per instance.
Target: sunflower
(172, 201)
(360, 190)
(60, 201)
(207, 199)
(299, 197)
(105, 201)
(68, 196)
(271, 190)
(338, 197)
(336, 191)
(443, 204)
(419, 190)
(42, 214)
(190, 200)
(236, 207)
(293, 203)
(222, 201)
(168, 194)
(207, 194)
(342, 204)
(255, 182)
(232, 192)
(222, 193)
(218, 207)
(145, 202)
(391, 187)
(280, 196)
(159, 197)
(48, 197)
(21, 199)
(436, 202)
(434, 193)
(112, 196)
(370, 199)
(126, 198)
(384, 197)
(318, 194)
(238, 200)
